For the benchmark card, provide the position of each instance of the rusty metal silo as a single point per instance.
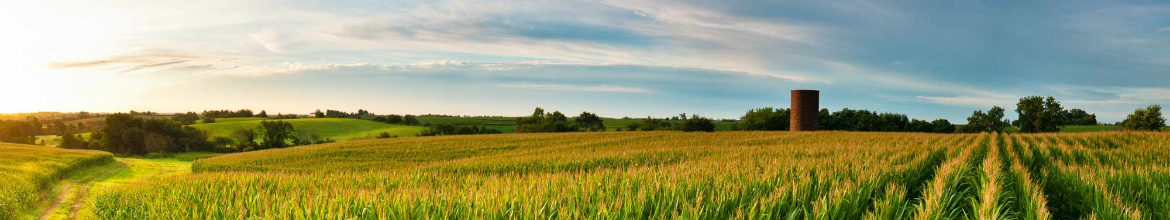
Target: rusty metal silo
(805, 110)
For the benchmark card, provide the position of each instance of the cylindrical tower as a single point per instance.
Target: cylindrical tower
(805, 110)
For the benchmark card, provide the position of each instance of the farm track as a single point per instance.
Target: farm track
(83, 184)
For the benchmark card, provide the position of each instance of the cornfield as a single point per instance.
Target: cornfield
(672, 175)
(27, 172)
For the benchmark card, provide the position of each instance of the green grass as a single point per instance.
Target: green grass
(28, 173)
(340, 129)
(78, 201)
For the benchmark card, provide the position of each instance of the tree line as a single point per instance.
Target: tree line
(1044, 114)
(774, 119)
(695, 123)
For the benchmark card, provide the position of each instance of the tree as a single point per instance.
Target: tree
(208, 120)
(589, 121)
(409, 120)
(275, 133)
(263, 114)
(942, 126)
(544, 122)
(1077, 117)
(1038, 114)
(135, 140)
(156, 142)
(763, 119)
(188, 118)
(1148, 119)
(696, 123)
(920, 126)
(318, 114)
(246, 139)
(394, 119)
(992, 121)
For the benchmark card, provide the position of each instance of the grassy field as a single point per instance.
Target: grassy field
(340, 129)
(29, 172)
(669, 175)
(508, 124)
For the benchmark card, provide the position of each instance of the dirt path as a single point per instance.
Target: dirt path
(57, 201)
(76, 188)
(78, 192)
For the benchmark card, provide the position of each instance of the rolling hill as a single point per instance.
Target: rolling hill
(340, 129)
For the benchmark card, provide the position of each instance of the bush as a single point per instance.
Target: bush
(763, 119)
(208, 120)
(1148, 119)
(696, 123)
(385, 135)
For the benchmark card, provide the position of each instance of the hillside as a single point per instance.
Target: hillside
(674, 175)
(29, 172)
(335, 128)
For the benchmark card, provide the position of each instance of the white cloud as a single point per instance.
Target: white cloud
(977, 102)
(569, 87)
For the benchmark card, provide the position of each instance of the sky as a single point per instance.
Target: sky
(926, 59)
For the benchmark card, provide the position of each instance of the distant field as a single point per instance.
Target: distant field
(504, 124)
(675, 175)
(508, 124)
(336, 128)
(28, 172)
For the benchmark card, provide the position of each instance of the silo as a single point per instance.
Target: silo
(805, 110)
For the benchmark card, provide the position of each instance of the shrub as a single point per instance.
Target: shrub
(1148, 119)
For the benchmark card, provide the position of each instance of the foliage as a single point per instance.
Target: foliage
(276, 134)
(545, 122)
(20, 132)
(246, 139)
(325, 128)
(695, 123)
(126, 134)
(242, 113)
(992, 121)
(409, 120)
(29, 173)
(208, 120)
(650, 124)
(188, 118)
(763, 119)
(1077, 117)
(589, 122)
(453, 129)
(1148, 119)
(1038, 114)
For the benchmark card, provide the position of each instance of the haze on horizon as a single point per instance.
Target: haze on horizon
(616, 58)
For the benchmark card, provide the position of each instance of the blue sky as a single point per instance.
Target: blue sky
(928, 59)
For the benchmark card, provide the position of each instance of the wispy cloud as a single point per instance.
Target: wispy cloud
(151, 65)
(569, 87)
(138, 59)
(976, 102)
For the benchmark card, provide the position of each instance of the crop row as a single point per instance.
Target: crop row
(28, 172)
(657, 175)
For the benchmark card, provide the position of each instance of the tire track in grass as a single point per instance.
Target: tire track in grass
(75, 188)
(57, 201)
